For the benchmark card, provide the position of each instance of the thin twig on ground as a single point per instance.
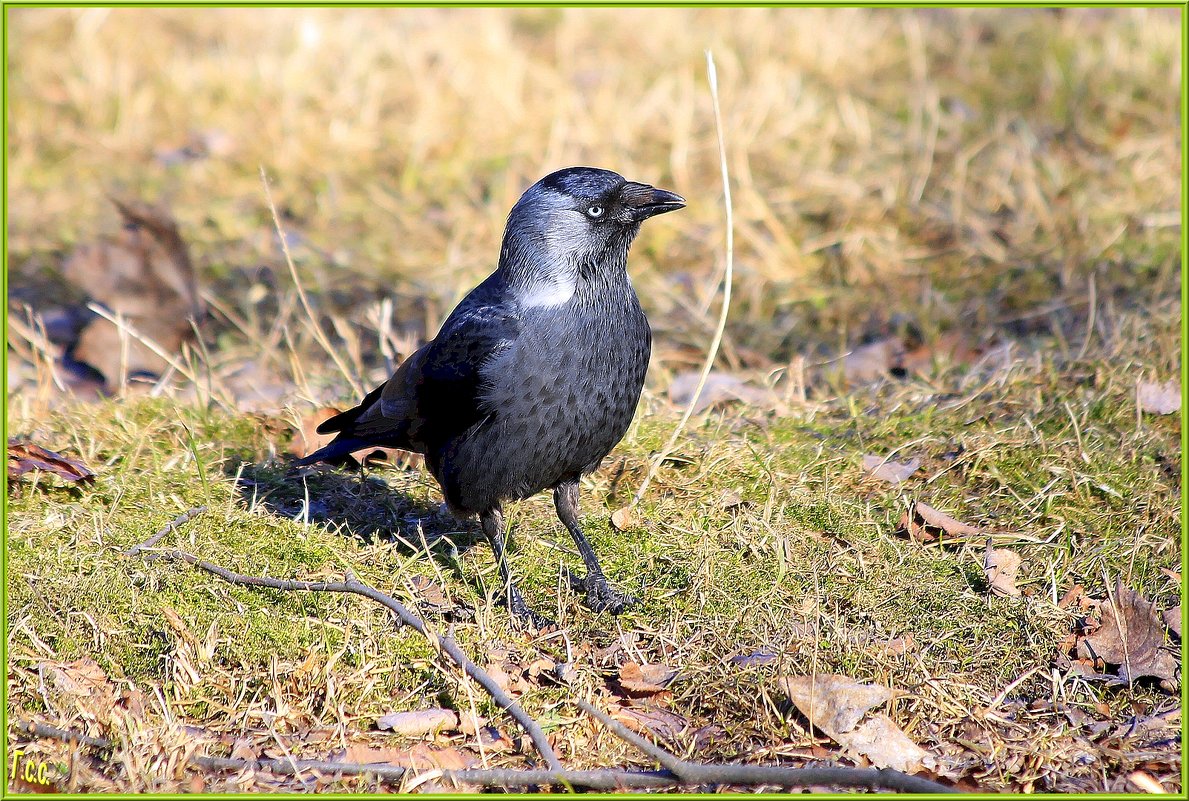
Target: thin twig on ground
(168, 527)
(678, 772)
(700, 773)
(352, 585)
(595, 779)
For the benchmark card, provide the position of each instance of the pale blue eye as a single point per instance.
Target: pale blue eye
(594, 212)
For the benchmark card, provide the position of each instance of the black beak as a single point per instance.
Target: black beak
(647, 201)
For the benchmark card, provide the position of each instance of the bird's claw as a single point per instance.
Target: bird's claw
(524, 617)
(600, 595)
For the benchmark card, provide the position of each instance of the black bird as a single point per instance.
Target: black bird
(535, 376)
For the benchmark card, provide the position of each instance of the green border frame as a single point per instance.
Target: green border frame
(1184, 118)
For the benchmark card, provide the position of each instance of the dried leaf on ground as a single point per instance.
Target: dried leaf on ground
(753, 658)
(952, 347)
(495, 740)
(874, 360)
(892, 472)
(1071, 596)
(898, 646)
(622, 519)
(565, 672)
(885, 745)
(421, 756)
(1157, 398)
(709, 735)
(731, 499)
(431, 594)
(1132, 636)
(833, 703)
(645, 679)
(1146, 782)
(242, 749)
(720, 388)
(652, 720)
(25, 456)
(143, 274)
(924, 523)
(82, 677)
(419, 722)
(469, 723)
(500, 677)
(1001, 566)
(1172, 619)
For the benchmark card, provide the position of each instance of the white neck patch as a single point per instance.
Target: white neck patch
(547, 294)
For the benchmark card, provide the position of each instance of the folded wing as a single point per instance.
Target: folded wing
(435, 394)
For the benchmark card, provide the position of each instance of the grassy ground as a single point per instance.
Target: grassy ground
(970, 183)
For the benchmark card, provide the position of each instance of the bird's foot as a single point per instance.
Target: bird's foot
(524, 617)
(601, 596)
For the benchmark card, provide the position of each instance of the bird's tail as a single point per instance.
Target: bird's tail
(337, 452)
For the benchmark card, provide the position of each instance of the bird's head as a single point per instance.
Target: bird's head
(576, 224)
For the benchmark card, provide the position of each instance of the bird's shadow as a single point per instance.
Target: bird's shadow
(357, 504)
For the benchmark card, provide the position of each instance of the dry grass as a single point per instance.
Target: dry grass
(979, 176)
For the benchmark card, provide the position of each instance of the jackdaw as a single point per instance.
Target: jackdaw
(535, 376)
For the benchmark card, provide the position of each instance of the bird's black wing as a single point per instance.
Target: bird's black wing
(436, 393)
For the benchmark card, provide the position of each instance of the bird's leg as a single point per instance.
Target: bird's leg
(599, 594)
(492, 521)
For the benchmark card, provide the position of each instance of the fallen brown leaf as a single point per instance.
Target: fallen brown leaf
(915, 529)
(645, 679)
(500, 677)
(720, 388)
(25, 456)
(652, 720)
(82, 677)
(753, 658)
(1001, 566)
(923, 524)
(495, 740)
(565, 672)
(898, 646)
(306, 439)
(1132, 636)
(431, 594)
(418, 723)
(622, 519)
(422, 756)
(1146, 782)
(1159, 398)
(730, 499)
(469, 723)
(874, 360)
(833, 703)
(242, 749)
(143, 274)
(953, 347)
(709, 735)
(1172, 619)
(891, 472)
(940, 520)
(1071, 596)
(885, 745)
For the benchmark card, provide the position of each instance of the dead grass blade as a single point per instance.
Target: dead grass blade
(727, 277)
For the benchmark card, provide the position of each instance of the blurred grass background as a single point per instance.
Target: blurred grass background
(894, 169)
(979, 176)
